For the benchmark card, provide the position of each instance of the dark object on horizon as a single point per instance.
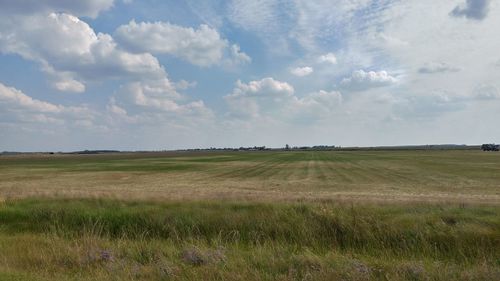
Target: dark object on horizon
(490, 147)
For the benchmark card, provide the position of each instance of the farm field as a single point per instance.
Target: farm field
(417, 176)
(272, 215)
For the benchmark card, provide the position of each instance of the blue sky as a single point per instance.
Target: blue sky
(132, 75)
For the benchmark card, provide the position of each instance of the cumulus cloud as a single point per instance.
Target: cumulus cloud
(249, 99)
(269, 98)
(328, 58)
(63, 81)
(302, 71)
(69, 85)
(90, 8)
(161, 95)
(25, 108)
(437, 67)
(473, 9)
(203, 46)
(18, 99)
(361, 80)
(267, 87)
(71, 52)
(72, 55)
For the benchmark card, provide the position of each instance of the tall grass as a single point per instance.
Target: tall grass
(456, 233)
(105, 239)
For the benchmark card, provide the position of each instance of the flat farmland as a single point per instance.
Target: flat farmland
(438, 176)
(269, 215)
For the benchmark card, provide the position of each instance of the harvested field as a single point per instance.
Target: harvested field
(419, 176)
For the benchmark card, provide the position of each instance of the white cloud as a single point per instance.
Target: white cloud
(473, 9)
(90, 8)
(248, 100)
(161, 95)
(70, 85)
(203, 46)
(461, 49)
(321, 23)
(63, 81)
(71, 52)
(269, 20)
(427, 106)
(361, 80)
(390, 41)
(25, 108)
(183, 85)
(237, 56)
(328, 58)
(156, 110)
(267, 87)
(438, 67)
(72, 55)
(115, 109)
(18, 99)
(269, 99)
(486, 92)
(302, 71)
(311, 24)
(329, 99)
(314, 106)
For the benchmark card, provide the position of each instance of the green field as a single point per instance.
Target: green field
(273, 215)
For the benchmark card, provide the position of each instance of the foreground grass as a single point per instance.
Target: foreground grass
(55, 239)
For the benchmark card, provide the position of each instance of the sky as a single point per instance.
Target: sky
(174, 74)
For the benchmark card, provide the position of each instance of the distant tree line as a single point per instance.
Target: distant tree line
(315, 147)
(262, 148)
(250, 148)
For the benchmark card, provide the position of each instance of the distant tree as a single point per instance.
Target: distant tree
(287, 147)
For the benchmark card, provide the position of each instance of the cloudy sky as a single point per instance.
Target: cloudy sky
(168, 74)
